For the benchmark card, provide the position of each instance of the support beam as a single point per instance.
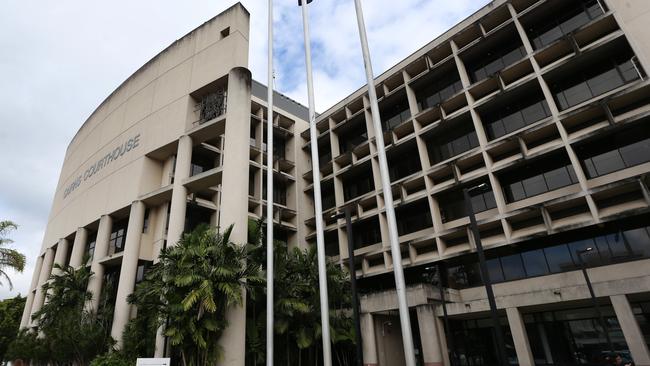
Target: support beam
(61, 254)
(46, 270)
(432, 353)
(234, 201)
(79, 247)
(27, 312)
(631, 331)
(369, 341)
(520, 337)
(101, 251)
(128, 271)
(179, 193)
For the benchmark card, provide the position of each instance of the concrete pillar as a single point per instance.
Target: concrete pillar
(79, 247)
(128, 271)
(101, 251)
(179, 192)
(520, 337)
(631, 331)
(46, 270)
(177, 210)
(429, 337)
(235, 199)
(61, 254)
(27, 312)
(368, 339)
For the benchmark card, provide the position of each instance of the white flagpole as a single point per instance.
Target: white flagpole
(400, 286)
(269, 197)
(320, 245)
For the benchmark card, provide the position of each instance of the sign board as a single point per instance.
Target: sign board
(152, 362)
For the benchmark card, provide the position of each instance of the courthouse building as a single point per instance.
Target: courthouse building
(545, 102)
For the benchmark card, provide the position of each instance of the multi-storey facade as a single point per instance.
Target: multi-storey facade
(544, 101)
(176, 142)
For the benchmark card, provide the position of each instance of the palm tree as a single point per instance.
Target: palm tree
(9, 258)
(192, 287)
(297, 307)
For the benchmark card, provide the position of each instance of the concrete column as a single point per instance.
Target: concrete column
(631, 331)
(235, 198)
(179, 193)
(101, 251)
(61, 254)
(177, 210)
(27, 312)
(429, 337)
(128, 271)
(520, 337)
(368, 339)
(46, 270)
(79, 247)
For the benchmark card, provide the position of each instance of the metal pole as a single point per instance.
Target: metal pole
(594, 302)
(400, 285)
(451, 351)
(353, 285)
(318, 207)
(269, 196)
(485, 276)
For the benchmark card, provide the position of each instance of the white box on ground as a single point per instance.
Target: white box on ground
(152, 362)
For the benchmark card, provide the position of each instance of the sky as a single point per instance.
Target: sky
(60, 59)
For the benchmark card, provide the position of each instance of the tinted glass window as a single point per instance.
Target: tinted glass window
(535, 262)
(513, 268)
(558, 258)
(494, 270)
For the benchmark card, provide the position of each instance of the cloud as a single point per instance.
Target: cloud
(60, 59)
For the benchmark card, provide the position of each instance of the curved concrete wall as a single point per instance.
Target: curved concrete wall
(106, 166)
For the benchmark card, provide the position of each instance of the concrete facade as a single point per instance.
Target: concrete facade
(545, 101)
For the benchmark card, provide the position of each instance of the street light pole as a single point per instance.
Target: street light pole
(398, 271)
(442, 276)
(594, 302)
(353, 282)
(485, 276)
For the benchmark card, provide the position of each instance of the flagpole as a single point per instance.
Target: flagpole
(320, 246)
(269, 196)
(398, 271)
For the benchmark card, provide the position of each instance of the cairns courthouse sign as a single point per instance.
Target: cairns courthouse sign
(112, 156)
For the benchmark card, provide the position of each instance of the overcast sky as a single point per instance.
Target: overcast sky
(60, 59)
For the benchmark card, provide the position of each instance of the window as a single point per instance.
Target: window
(403, 162)
(583, 81)
(145, 223)
(413, 217)
(621, 150)
(496, 59)
(452, 203)
(610, 245)
(354, 136)
(358, 182)
(436, 90)
(117, 238)
(572, 16)
(511, 114)
(394, 114)
(90, 246)
(537, 177)
(457, 138)
(213, 105)
(535, 262)
(366, 232)
(331, 243)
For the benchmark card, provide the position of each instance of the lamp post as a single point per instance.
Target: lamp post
(594, 302)
(347, 214)
(442, 280)
(485, 276)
